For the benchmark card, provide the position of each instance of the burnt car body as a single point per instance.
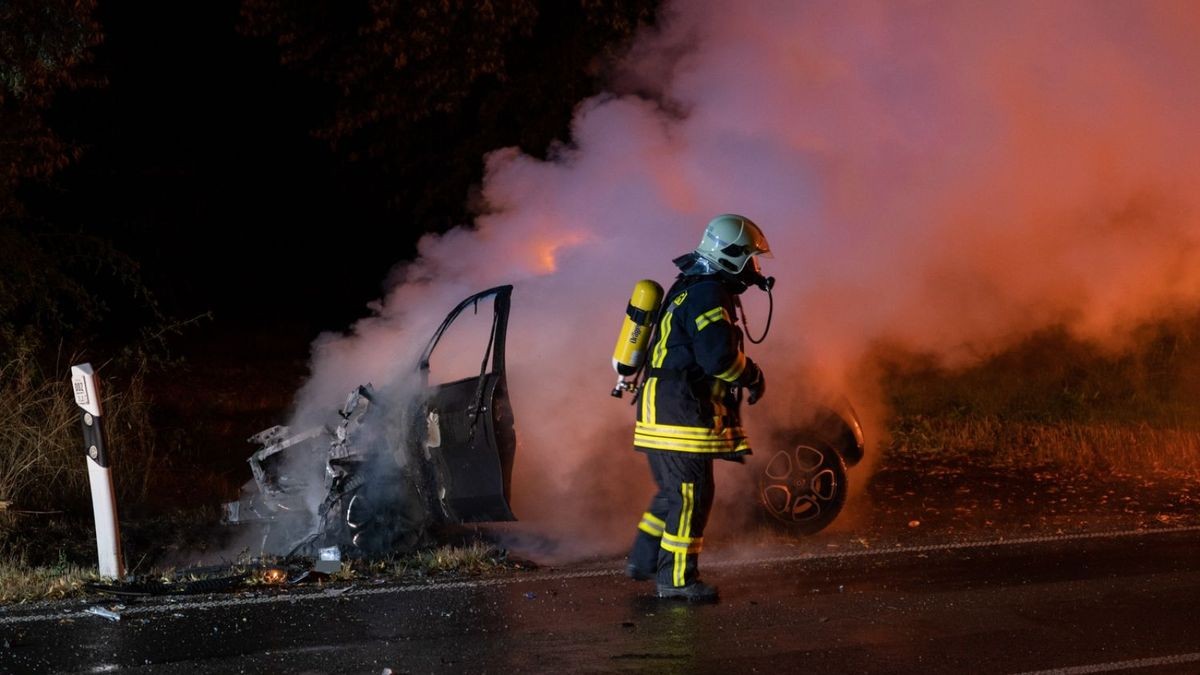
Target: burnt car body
(394, 469)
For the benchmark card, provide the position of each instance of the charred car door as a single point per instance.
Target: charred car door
(469, 441)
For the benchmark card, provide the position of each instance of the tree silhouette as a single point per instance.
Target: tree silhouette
(424, 88)
(44, 46)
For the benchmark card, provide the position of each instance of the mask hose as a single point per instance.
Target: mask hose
(770, 313)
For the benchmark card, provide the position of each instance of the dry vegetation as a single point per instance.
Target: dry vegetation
(473, 558)
(22, 583)
(37, 425)
(1055, 400)
(41, 459)
(1091, 447)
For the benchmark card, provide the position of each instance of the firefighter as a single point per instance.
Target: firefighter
(688, 406)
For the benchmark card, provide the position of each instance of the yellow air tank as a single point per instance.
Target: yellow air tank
(635, 331)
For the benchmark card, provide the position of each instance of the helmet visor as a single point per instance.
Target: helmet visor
(740, 250)
(752, 263)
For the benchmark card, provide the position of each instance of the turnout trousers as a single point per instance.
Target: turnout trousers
(671, 532)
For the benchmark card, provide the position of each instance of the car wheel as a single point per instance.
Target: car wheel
(392, 522)
(802, 485)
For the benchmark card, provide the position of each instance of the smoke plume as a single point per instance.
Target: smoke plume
(947, 176)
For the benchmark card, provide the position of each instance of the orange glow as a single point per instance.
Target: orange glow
(274, 576)
(544, 254)
(546, 262)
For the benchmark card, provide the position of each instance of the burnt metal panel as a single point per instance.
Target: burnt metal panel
(474, 458)
(472, 441)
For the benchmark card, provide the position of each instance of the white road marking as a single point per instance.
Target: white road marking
(1175, 660)
(329, 594)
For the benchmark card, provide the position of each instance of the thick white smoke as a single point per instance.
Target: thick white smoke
(948, 176)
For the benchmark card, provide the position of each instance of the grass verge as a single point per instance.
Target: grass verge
(41, 453)
(1092, 447)
(22, 583)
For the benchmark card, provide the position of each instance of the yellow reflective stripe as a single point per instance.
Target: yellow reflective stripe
(651, 525)
(692, 548)
(649, 394)
(710, 317)
(654, 440)
(735, 370)
(687, 433)
(666, 443)
(660, 349)
(658, 443)
(685, 526)
(676, 544)
(689, 493)
(683, 544)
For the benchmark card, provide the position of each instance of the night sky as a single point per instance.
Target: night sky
(199, 163)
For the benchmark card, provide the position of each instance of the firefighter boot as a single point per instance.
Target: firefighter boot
(697, 591)
(642, 563)
(636, 573)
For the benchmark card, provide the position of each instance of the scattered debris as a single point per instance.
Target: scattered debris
(309, 577)
(103, 613)
(329, 560)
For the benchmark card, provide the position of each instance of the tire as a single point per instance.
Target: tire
(802, 484)
(385, 518)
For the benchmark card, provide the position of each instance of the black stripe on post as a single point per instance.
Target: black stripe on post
(93, 439)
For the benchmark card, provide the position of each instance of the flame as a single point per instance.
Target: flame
(274, 576)
(544, 250)
(547, 264)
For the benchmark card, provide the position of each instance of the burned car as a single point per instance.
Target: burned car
(394, 468)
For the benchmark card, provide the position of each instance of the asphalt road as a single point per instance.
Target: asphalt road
(1091, 603)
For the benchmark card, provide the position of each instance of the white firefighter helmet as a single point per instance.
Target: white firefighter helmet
(730, 241)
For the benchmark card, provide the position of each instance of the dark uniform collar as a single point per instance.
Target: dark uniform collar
(694, 269)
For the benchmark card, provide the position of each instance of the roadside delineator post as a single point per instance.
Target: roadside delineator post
(104, 499)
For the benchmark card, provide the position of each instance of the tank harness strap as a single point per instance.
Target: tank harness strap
(639, 316)
(667, 373)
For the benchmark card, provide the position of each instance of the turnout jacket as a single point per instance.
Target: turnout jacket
(686, 403)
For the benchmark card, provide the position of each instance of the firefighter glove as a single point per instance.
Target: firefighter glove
(757, 387)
